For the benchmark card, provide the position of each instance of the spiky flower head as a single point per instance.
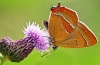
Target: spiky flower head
(38, 36)
(34, 37)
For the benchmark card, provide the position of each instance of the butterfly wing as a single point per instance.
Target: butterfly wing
(87, 34)
(83, 37)
(68, 15)
(55, 29)
(45, 24)
(67, 31)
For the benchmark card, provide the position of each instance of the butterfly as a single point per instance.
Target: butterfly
(66, 30)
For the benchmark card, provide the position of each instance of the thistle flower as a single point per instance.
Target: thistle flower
(16, 51)
(38, 37)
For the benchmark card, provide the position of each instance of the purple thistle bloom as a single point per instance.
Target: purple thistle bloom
(38, 36)
(16, 51)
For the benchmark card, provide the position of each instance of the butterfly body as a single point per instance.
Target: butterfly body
(66, 30)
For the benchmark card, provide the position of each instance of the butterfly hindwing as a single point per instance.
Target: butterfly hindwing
(83, 37)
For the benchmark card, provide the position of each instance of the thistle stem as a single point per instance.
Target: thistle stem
(3, 59)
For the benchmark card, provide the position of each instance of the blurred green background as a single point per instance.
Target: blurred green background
(15, 13)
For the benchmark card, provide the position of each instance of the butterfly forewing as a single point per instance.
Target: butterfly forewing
(68, 15)
(55, 28)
